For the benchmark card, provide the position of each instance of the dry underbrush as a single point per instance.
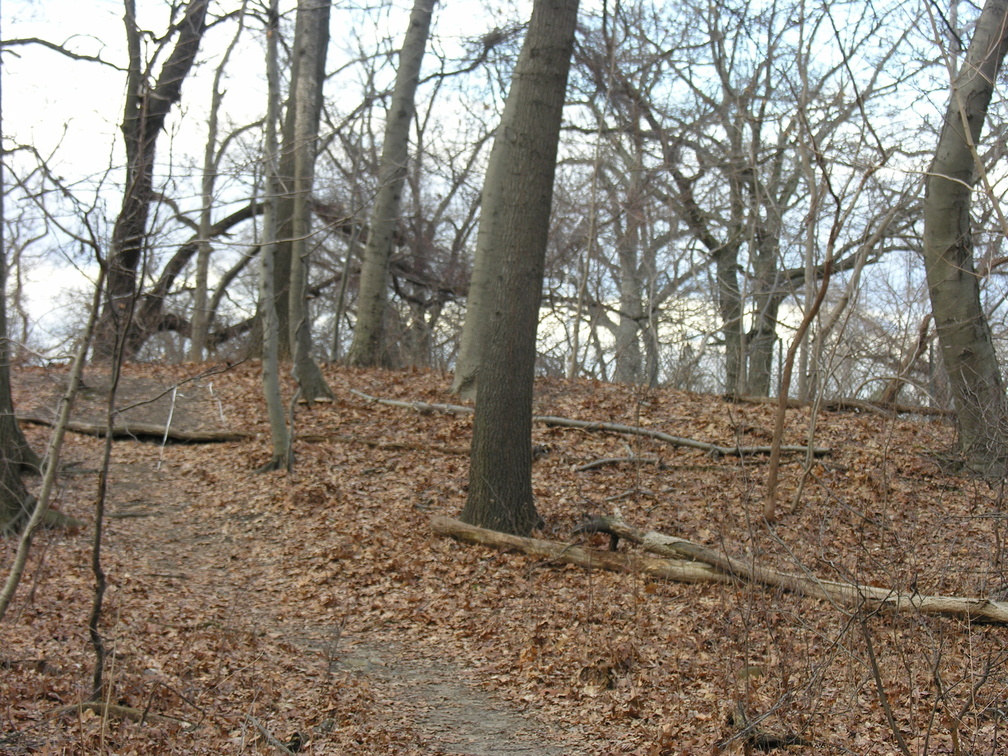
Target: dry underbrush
(320, 604)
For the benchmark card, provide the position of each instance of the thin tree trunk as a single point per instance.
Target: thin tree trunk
(311, 41)
(368, 347)
(211, 164)
(964, 334)
(147, 107)
(267, 301)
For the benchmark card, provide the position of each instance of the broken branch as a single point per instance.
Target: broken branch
(674, 563)
(553, 421)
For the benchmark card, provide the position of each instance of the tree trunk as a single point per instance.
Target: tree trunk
(311, 39)
(267, 301)
(963, 331)
(368, 347)
(628, 358)
(211, 167)
(144, 116)
(514, 227)
(15, 453)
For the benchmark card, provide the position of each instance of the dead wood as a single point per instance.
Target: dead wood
(124, 712)
(851, 595)
(568, 553)
(141, 431)
(619, 461)
(714, 450)
(851, 405)
(268, 736)
(378, 443)
(709, 566)
(552, 421)
(424, 408)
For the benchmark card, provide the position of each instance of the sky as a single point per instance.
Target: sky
(70, 110)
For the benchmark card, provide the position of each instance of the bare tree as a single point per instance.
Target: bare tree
(311, 39)
(147, 106)
(964, 333)
(368, 344)
(281, 456)
(514, 225)
(211, 166)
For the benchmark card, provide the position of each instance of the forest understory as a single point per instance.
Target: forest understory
(317, 612)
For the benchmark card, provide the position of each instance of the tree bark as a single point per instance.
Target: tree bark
(15, 453)
(964, 334)
(147, 107)
(211, 167)
(279, 435)
(310, 41)
(368, 347)
(688, 562)
(514, 228)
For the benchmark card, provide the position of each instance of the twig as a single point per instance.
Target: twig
(267, 735)
(104, 709)
(880, 688)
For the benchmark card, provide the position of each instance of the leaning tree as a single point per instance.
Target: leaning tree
(964, 333)
(511, 242)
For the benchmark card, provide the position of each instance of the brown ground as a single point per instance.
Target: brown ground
(320, 603)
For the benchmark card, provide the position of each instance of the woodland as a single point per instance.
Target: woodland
(482, 378)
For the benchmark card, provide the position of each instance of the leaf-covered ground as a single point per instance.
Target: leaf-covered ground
(319, 603)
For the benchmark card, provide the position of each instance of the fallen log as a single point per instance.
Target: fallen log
(851, 595)
(710, 567)
(714, 450)
(553, 421)
(841, 404)
(141, 431)
(680, 570)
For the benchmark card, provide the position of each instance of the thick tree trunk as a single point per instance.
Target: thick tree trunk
(15, 454)
(147, 107)
(963, 331)
(514, 228)
(368, 347)
(729, 303)
(310, 41)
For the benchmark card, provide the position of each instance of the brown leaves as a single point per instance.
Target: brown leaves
(319, 603)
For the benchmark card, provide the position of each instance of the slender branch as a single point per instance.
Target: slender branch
(55, 47)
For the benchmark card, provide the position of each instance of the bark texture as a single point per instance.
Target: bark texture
(147, 107)
(15, 453)
(514, 227)
(368, 347)
(311, 38)
(279, 436)
(963, 332)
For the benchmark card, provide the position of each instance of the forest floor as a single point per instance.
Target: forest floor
(319, 606)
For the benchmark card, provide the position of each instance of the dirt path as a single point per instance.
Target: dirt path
(453, 717)
(200, 573)
(432, 696)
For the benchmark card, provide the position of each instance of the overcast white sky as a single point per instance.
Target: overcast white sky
(70, 110)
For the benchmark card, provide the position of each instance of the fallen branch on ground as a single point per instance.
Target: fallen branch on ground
(849, 594)
(124, 712)
(685, 561)
(850, 405)
(377, 443)
(553, 421)
(267, 735)
(679, 570)
(143, 431)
